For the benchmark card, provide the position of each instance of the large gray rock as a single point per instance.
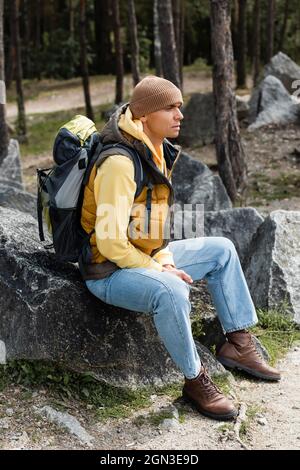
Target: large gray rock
(10, 169)
(194, 183)
(198, 125)
(46, 313)
(213, 366)
(283, 68)
(239, 225)
(14, 198)
(272, 268)
(270, 103)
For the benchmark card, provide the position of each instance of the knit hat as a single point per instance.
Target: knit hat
(152, 94)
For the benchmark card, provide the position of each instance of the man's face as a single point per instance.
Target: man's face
(163, 123)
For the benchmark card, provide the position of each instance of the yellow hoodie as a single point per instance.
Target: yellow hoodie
(115, 179)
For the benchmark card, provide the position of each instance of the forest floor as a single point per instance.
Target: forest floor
(272, 419)
(273, 409)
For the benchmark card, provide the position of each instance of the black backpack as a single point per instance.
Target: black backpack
(61, 188)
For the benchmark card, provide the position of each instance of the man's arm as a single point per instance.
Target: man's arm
(164, 257)
(114, 194)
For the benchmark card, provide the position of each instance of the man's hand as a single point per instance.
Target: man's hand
(178, 272)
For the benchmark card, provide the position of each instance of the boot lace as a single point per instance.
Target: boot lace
(208, 387)
(254, 348)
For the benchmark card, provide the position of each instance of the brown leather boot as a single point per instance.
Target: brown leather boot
(207, 398)
(239, 352)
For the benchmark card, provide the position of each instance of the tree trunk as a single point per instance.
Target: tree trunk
(10, 65)
(234, 24)
(3, 125)
(38, 37)
(283, 27)
(103, 28)
(72, 18)
(230, 153)
(270, 29)
(181, 41)
(168, 44)
(26, 22)
(178, 20)
(84, 62)
(241, 45)
(256, 41)
(21, 121)
(135, 50)
(118, 52)
(157, 43)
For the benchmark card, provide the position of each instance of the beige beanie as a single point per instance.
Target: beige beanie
(152, 94)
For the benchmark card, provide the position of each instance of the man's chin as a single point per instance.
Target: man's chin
(174, 134)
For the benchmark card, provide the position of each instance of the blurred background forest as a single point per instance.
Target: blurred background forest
(50, 34)
(67, 56)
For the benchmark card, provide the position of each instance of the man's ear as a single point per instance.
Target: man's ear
(143, 118)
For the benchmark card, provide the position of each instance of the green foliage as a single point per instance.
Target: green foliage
(145, 45)
(197, 326)
(63, 384)
(265, 188)
(276, 330)
(223, 382)
(60, 56)
(199, 65)
(156, 418)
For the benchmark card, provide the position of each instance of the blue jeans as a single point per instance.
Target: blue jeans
(166, 296)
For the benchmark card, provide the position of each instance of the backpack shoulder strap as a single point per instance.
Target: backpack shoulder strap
(140, 176)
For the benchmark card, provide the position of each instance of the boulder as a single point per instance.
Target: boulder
(198, 125)
(283, 68)
(239, 225)
(10, 169)
(270, 103)
(48, 314)
(213, 366)
(272, 267)
(195, 183)
(14, 198)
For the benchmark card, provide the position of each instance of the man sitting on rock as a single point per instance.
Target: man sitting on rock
(135, 267)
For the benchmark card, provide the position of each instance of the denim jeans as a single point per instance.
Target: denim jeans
(166, 297)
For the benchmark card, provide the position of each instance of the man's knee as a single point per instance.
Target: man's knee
(223, 249)
(172, 290)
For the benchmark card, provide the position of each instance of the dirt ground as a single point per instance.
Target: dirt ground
(273, 423)
(274, 183)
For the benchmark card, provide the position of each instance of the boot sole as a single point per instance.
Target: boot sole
(225, 417)
(235, 365)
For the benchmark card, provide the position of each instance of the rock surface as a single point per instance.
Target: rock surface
(272, 267)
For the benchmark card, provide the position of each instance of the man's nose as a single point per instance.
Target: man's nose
(179, 115)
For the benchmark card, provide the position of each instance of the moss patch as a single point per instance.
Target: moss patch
(277, 331)
(264, 188)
